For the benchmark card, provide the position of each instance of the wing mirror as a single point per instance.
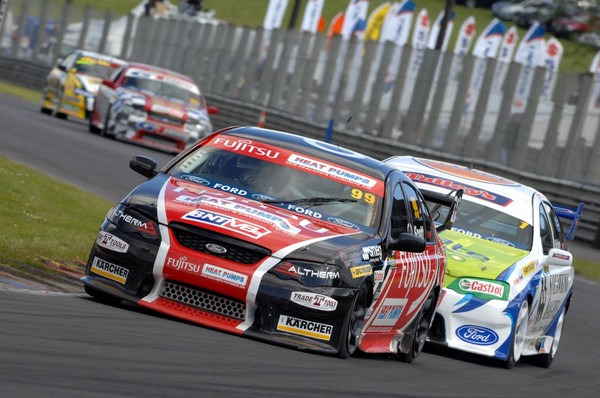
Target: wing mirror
(560, 258)
(143, 165)
(409, 243)
(109, 83)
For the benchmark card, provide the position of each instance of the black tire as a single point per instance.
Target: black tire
(518, 336)
(354, 324)
(102, 297)
(545, 360)
(105, 131)
(425, 318)
(43, 109)
(92, 128)
(58, 114)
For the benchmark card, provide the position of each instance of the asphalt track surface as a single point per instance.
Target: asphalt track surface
(69, 345)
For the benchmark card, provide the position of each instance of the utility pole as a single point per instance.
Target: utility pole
(447, 12)
(3, 4)
(294, 17)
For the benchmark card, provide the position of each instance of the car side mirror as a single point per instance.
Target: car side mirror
(213, 110)
(109, 83)
(143, 165)
(61, 67)
(561, 258)
(409, 243)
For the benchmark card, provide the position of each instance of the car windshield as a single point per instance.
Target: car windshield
(484, 222)
(162, 88)
(276, 182)
(95, 67)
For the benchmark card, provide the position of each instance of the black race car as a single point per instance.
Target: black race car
(278, 237)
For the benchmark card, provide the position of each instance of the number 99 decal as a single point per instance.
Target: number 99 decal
(366, 196)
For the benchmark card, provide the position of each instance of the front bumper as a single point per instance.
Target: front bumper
(269, 315)
(466, 323)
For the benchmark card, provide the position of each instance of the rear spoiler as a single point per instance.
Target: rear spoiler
(451, 200)
(570, 213)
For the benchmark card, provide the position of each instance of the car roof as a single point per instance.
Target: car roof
(105, 57)
(159, 70)
(320, 149)
(479, 186)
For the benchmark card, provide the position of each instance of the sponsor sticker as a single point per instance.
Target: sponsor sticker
(484, 289)
(389, 312)
(303, 327)
(227, 222)
(372, 253)
(331, 170)
(468, 189)
(196, 179)
(477, 335)
(320, 274)
(361, 271)
(109, 270)
(343, 223)
(224, 275)
(313, 300)
(111, 242)
(528, 269)
(182, 264)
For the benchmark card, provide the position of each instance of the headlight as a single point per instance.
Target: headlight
(309, 274)
(129, 220)
(134, 110)
(484, 289)
(197, 129)
(89, 103)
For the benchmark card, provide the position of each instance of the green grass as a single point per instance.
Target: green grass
(18, 91)
(587, 268)
(251, 13)
(44, 218)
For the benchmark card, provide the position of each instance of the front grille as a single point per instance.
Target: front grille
(237, 250)
(160, 139)
(176, 121)
(203, 300)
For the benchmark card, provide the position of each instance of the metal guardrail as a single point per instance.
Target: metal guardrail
(239, 112)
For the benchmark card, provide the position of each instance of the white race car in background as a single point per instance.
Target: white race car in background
(509, 279)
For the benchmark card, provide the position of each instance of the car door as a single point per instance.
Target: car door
(556, 278)
(106, 96)
(57, 77)
(404, 282)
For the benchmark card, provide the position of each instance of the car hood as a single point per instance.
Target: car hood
(245, 218)
(90, 83)
(475, 257)
(158, 105)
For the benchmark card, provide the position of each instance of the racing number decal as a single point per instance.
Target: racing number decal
(415, 207)
(366, 196)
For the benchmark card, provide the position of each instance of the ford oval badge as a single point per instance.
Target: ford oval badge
(477, 335)
(217, 249)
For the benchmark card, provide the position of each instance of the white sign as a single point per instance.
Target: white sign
(312, 15)
(275, 14)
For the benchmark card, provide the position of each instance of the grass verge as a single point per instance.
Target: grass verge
(45, 219)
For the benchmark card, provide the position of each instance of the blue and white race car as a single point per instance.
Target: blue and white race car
(509, 278)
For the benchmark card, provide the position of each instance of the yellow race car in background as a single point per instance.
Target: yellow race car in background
(72, 84)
